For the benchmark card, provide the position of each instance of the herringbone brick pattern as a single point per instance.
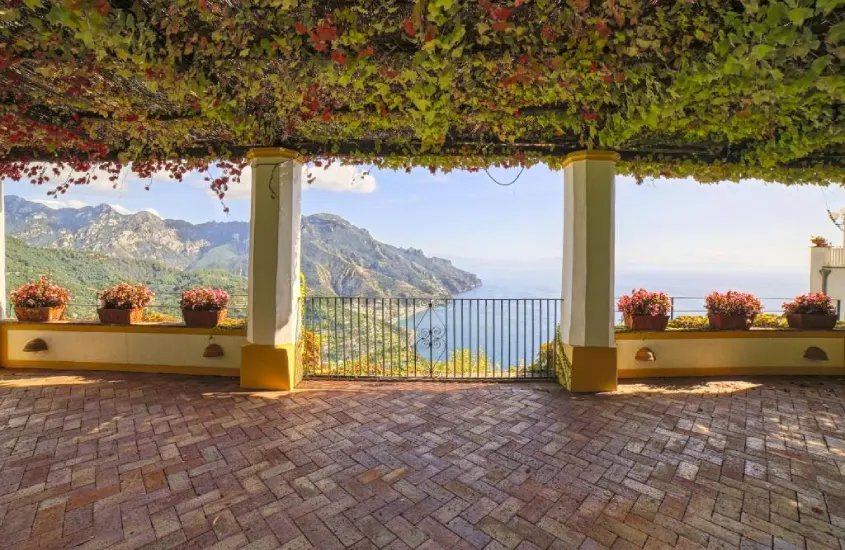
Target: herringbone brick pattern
(131, 461)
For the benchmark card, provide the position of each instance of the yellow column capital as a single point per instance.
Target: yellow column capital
(611, 156)
(271, 152)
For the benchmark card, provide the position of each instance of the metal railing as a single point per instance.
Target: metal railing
(455, 338)
(165, 304)
(834, 256)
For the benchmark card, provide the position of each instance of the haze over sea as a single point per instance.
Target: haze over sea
(543, 280)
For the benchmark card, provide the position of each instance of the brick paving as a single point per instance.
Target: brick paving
(151, 461)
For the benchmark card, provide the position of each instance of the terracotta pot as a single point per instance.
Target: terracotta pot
(647, 322)
(39, 314)
(728, 322)
(197, 318)
(811, 321)
(120, 316)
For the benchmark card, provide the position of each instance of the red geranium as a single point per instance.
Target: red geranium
(126, 296)
(814, 303)
(643, 302)
(41, 294)
(205, 299)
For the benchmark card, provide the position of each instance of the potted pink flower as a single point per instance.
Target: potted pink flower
(124, 303)
(644, 310)
(732, 310)
(819, 241)
(813, 311)
(204, 307)
(40, 302)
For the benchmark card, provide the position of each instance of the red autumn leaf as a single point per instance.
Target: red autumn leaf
(603, 29)
(430, 33)
(338, 57)
(327, 116)
(486, 5)
(516, 113)
(594, 66)
(202, 4)
(548, 34)
(522, 59)
(366, 52)
(382, 109)
(409, 27)
(608, 78)
(501, 14)
(745, 113)
(300, 28)
(500, 25)
(326, 32)
(591, 116)
(104, 8)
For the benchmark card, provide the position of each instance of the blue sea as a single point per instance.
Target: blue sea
(516, 309)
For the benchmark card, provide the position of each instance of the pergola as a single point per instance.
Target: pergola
(713, 89)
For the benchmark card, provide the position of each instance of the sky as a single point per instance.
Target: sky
(660, 225)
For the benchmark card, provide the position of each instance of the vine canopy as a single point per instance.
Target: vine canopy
(715, 89)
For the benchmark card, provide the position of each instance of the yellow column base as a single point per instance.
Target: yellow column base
(588, 369)
(269, 367)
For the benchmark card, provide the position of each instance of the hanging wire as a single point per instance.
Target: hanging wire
(497, 182)
(833, 217)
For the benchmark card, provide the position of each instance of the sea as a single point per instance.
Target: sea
(516, 309)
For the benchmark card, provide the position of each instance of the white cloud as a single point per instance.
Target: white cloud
(337, 178)
(120, 209)
(59, 204)
(341, 179)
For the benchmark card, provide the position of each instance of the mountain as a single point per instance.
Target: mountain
(338, 258)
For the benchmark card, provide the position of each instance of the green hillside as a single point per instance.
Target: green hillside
(86, 273)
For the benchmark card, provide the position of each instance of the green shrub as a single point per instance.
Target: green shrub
(769, 320)
(689, 322)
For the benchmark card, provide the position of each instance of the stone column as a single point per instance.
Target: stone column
(3, 296)
(270, 359)
(588, 276)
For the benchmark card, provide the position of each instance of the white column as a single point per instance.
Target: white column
(588, 254)
(3, 296)
(274, 248)
(588, 305)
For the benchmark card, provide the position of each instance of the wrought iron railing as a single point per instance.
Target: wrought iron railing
(431, 337)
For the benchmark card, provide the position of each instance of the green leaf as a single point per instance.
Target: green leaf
(798, 15)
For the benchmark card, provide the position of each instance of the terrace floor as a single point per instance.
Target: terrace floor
(133, 460)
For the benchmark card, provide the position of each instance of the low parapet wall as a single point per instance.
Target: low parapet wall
(719, 353)
(157, 348)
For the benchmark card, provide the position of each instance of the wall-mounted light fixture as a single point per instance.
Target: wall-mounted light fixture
(212, 349)
(814, 353)
(35, 345)
(645, 354)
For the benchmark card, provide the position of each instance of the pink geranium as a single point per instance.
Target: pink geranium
(126, 296)
(205, 299)
(41, 294)
(643, 302)
(814, 303)
(733, 303)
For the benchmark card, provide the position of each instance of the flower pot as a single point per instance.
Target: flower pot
(728, 322)
(39, 314)
(647, 322)
(120, 316)
(811, 321)
(199, 318)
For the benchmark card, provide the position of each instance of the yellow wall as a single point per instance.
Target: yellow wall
(729, 353)
(142, 348)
